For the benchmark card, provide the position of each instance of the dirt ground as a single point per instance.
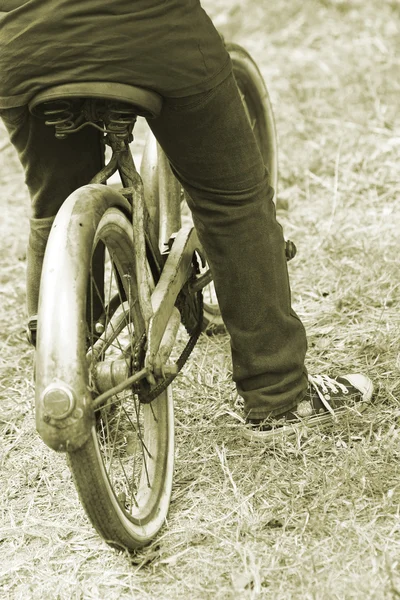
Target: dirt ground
(317, 518)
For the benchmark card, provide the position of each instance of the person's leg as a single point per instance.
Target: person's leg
(212, 149)
(53, 170)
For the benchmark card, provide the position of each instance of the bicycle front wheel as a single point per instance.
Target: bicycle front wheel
(123, 471)
(258, 107)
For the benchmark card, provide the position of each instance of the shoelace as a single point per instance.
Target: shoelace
(323, 385)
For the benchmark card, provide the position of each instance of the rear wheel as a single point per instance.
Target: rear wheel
(123, 473)
(258, 108)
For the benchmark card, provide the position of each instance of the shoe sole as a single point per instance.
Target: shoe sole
(289, 431)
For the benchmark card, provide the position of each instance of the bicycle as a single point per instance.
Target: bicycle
(121, 275)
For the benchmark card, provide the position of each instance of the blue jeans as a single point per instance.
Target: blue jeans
(213, 152)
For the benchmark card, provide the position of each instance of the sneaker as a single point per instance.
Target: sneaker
(325, 399)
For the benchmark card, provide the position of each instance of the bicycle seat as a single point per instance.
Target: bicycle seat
(147, 103)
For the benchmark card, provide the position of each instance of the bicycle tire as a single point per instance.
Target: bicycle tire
(258, 106)
(259, 110)
(123, 472)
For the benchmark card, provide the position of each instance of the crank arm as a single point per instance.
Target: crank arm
(174, 275)
(200, 282)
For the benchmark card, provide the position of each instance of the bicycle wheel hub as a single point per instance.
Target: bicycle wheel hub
(109, 374)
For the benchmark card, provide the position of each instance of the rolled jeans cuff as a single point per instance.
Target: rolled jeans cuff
(262, 403)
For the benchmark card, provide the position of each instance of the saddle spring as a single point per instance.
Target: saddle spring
(68, 117)
(60, 115)
(120, 120)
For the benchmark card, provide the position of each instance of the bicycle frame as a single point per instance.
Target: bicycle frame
(64, 402)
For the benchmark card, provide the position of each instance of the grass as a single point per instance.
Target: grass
(316, 518)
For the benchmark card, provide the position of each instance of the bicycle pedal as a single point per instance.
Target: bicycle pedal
(290, 250)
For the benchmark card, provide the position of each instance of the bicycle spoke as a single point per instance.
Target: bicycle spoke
(144, 447)
(122, 416)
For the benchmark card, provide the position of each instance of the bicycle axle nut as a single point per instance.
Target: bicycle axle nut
(58, 401)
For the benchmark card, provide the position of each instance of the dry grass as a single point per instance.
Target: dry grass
(319, 517)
